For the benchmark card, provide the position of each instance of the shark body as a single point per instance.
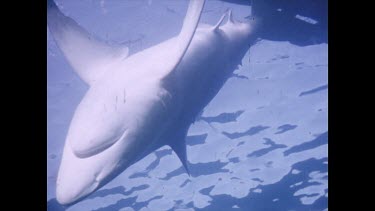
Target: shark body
(139, 103)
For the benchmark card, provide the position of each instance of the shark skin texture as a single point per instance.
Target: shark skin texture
(141, 102)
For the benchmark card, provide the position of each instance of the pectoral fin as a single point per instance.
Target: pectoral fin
(88, 56)
(185, 36)
(178, 144)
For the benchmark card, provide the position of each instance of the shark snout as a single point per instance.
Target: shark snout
(71, 190)
(79, 177)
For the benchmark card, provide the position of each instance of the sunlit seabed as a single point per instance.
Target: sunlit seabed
(261, 144)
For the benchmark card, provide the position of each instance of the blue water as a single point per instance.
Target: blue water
(260, 144)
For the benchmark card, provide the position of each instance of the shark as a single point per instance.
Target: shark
(138, 103)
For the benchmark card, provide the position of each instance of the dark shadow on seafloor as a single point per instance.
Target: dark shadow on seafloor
(250, 132)
(282, 190)
(223, 117)
(271, 146)
(318, 141)
(285, 127)
(312, 91)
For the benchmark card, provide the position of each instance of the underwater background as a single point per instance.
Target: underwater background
(260, 144)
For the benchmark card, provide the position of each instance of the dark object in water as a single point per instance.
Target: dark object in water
(279, 22)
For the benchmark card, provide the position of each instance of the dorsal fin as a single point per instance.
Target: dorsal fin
(220, 21)
(230, 17)
(88, 56)
(185, 36)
